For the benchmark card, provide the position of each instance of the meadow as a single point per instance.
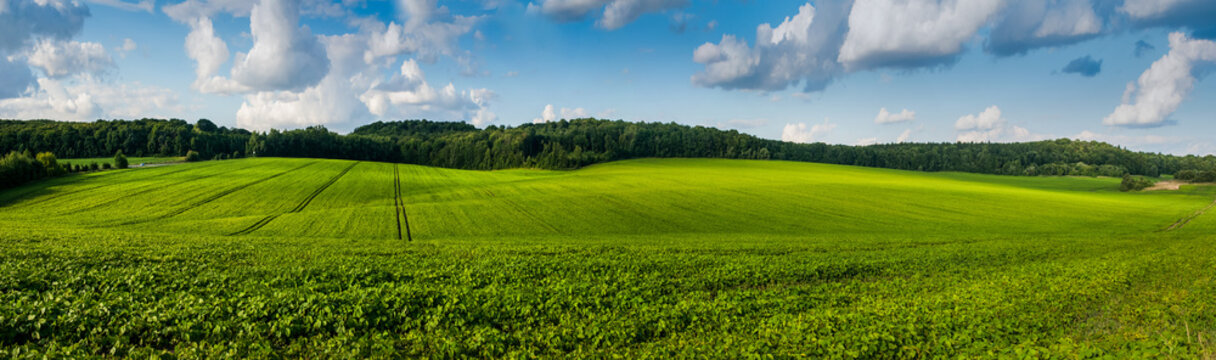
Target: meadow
(133, 161)
(648, 258)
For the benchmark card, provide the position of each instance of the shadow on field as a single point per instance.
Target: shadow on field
(40, 190)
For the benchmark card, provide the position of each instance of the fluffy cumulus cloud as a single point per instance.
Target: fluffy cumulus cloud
(22, 25)
(67, 86)
(427, 32)
(886, 117)
(615, 13)
(550, 114)
(1084, 66)
(293, 78)
(991, 126)
(209, 53)
(285, 56)
(802, 49)
(62, 58)
(911, 33)
(803, 133)
(827, 40)
(1030, 24)
(89, 99)
(1161, 89)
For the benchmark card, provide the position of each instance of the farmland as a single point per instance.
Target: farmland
(648, 258)
(134, 161)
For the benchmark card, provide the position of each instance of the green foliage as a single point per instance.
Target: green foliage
(206, 126)
(103, 138)
(120, 161)
(570, 144)
(1134, 183)
(637, 259)
(192, 156)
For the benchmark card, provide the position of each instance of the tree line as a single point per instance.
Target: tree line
(18, 168)
(569, 144)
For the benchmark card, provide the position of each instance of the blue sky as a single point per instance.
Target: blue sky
(1129, 72)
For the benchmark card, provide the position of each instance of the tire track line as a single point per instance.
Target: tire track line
(137, 193)
(399, 204)
(299, 207)
(1183, 221)
(213, 197)
(77, 191)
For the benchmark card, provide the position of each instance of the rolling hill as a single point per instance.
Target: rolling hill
(640, 258)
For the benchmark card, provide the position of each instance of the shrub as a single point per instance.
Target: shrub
(1134, 183)
(93, 166)
(120, 161)
(105, 166)
(193, 156)
(1206, 176)
(1186, 175)
(50, 164)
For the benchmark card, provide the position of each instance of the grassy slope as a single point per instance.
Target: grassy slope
(644, 257)
(133, 161)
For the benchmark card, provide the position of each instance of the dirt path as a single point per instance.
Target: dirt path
(1183, 221)
(1166, 185)
(299, 207)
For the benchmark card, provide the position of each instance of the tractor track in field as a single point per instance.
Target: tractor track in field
(1183, 221)
(399, 205)
(138, 193)
(77, 191)
(214, 197)
(299, 207)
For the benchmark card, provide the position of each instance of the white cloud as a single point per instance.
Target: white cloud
(189, 11)
(885, 117)
(285, 56)
(1029, 24)
(89, 99)
(619, 13)
(802, 133)
(550, 114)
(904, 136)
(22, 21)
(63, 58)
(867, 141)
(209, 53)
(292, 78)
(991, 126)
(1147, 8)
(1162, 88)
(803, 48)
(142, 5)
(911, 33)
(426, 35)
(128, 45)
(616, 13)
(989, 119)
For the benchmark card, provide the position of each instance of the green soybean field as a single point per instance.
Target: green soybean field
(647, 258)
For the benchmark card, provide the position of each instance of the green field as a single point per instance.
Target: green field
(133, 161)
(647, 258)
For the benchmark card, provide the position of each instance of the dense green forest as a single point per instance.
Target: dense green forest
(571, 144)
